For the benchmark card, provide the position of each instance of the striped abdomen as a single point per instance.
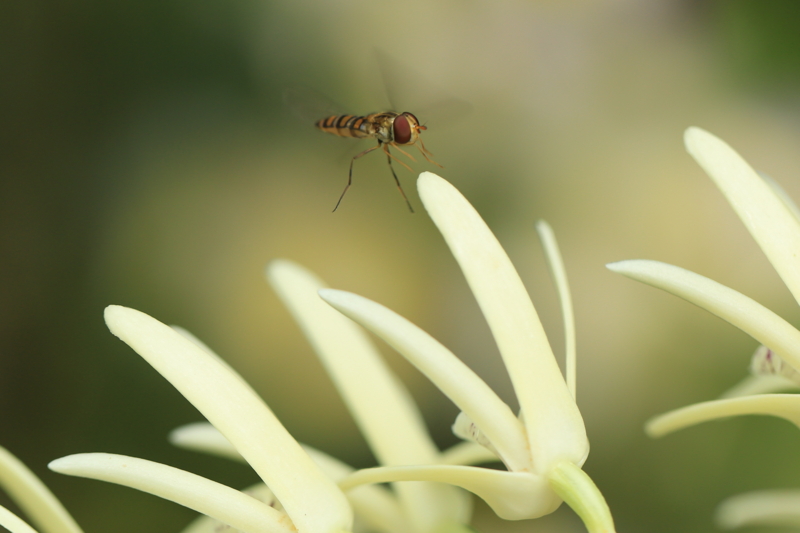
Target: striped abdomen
(347, 126)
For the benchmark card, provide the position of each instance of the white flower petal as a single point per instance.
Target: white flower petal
(227, 505)
(760, 508)
(769, 221)
(207, 524)
(559, 274)
(239, 413)
(781, 193)
(467, 453)
(383, 408)
(374, 504)
(13, 523)
(746, 314)
(752, 385)
(512, 495)
(380, 404)
(457, 381)
(554, 425)
(33, 497)
(781, 405)
(203, 437)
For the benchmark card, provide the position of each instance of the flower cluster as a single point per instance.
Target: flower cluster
(304, 490)
(774, 222)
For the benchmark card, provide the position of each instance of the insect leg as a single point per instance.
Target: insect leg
(397, 181)
(426, 153)
(404, 153)
(350, 176)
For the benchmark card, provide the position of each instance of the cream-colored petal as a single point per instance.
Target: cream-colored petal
(764, 213)
(465, 428)
(13, 523)
(554, 425)
(203, 524)
(559, 273)
(33, 497)
(752, 385)
(467, 453)
(207, 524)
(781, 405)
(374, 504)
(203, 437)
(381, 405)
(781, 193)
(378, 401)
(744, 313)
(760, 508)
(765, 362)
(227, 505)
(241, 415)
(468, 391)
(511, 495)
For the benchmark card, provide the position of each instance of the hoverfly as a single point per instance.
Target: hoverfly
(389, 129)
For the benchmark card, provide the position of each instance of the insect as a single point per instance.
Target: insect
(389, 129)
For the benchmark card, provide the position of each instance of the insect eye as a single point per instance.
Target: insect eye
(401, 129)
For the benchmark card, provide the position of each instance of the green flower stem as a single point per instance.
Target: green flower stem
(579, 491)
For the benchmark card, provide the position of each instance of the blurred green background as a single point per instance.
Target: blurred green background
(147, 159)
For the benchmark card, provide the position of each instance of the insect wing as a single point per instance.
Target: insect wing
(310, 106)
(407, 90)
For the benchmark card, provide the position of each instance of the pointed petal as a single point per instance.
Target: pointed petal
(468, 453)
(769, 221)
(13, 523)
(781, 405)
(781, 193)
(381, 405)
(227, 505)
(33, 497)
(512, 495)
(760, 508)
(554, 425)
(377, 400)
(468, 391)
(237, 411)
(559, 274)
(203, 437)
(374, 504)
(752, 385)
(746, 314)
(207, 524)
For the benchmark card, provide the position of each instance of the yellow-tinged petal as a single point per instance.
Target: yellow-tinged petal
(553, 425)
(468, 391)
(746, 314)
(752, 385)
(468, 453)
(559, 273)
(13, 523)
(512, 495)
(207, 524)
(33, 497)
(781, 405)
(764, 213)
(382, 407)
(760, 508)
(242, 416)
(374, 504)
(225, 504)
